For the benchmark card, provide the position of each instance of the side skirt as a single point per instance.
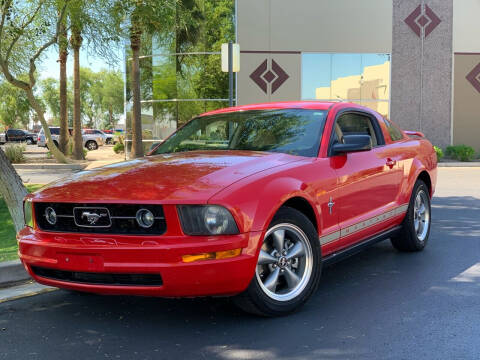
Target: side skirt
(354, 249)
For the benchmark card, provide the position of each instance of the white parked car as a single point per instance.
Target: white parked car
(91, 142)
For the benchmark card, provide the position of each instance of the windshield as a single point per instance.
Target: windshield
(291, 131)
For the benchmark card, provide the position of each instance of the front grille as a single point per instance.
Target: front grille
(99, 278)
(112, 218)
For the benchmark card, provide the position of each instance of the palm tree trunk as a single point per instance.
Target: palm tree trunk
(110, 116)
(76, 42)
(137, 145)
(12, 191)
(63, 53)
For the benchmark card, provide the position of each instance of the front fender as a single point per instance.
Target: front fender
(276, 193)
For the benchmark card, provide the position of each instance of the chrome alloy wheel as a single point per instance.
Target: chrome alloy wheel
(421, 215)
(285, 263)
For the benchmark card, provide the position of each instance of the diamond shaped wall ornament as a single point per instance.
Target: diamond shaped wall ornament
(282, 76)
(262, 76)
(434, 20)
(473, 77)
(422, 18)
(256, 76)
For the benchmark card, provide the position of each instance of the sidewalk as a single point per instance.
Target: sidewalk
(459, 164)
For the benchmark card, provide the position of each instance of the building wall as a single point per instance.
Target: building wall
(466, 85)
(422, 68)
(280, 30)
(466, 26)
(421, 64)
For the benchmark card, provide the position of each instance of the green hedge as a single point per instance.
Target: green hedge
(461, 152)
(439, 153)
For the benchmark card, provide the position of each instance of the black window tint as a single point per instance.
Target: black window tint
(395, 134)
(356, 124)
(55, 131)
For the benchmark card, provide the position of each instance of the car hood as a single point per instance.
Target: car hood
(189, 177)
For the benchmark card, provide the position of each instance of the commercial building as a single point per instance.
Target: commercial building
(414, 61)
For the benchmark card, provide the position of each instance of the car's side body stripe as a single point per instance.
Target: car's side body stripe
(325, 239)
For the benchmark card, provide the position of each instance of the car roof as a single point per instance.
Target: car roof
(312, 105)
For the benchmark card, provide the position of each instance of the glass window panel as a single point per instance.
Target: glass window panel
(380, 106)
(200, 26)
(375, 77)
(359, 78)
(346, 76)
(316, 76)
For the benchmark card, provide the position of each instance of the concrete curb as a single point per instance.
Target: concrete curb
(23, 290)
(459, 164)
(50, 166)
(11, 272)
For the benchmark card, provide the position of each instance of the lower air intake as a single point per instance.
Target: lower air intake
(99, 278)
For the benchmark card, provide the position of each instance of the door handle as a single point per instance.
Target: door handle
(391, 163)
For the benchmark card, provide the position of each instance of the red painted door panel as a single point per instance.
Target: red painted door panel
(368, 186)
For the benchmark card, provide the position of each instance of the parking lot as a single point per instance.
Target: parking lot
(380, 304)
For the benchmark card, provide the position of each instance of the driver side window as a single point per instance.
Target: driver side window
(354, 124)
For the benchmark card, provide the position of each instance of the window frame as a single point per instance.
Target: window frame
(375, 125)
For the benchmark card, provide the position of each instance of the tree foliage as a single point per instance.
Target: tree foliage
(14, 106)
(101, 95)
(27, 29)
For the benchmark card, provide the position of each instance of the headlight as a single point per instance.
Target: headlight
(28, 213)
(206, 220)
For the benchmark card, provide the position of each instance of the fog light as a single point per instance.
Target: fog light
(145, 218)
(212, 255)
(50, 216)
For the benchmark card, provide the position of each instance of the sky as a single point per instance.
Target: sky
(49, 67)
(318, 70)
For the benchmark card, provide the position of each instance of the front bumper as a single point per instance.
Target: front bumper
(161, 255)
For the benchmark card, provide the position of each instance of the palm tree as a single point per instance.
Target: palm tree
(77, 19)
(62, 59)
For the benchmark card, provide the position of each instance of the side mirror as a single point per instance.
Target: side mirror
(353, 143)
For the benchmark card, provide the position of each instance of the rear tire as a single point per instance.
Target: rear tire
(288, 267)
(415, 230)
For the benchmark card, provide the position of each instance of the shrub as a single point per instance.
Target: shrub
(461, 152)
(70, 149)
(439, 153)
(119, 148)
(14, 153)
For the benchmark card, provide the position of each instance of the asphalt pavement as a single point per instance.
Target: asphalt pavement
(379, 304)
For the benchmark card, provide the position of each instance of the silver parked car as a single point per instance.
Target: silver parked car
(91, 142)
(107, 138)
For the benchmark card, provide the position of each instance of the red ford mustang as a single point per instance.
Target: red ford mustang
(248, 201)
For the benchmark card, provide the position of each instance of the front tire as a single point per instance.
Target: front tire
(288, 267)
(415, 230)
(91, 145)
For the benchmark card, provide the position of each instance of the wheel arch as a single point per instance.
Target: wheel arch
(302, 205)
(425, 177)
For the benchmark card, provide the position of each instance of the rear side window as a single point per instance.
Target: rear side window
(55, 131)
(394, 132)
